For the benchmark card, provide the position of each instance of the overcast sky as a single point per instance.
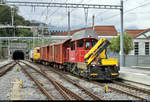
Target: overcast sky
(137, 17)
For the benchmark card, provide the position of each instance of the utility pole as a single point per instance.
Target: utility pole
(9, 47)
(121, 38)
(42, 39)
(12, 19)
(43, 35)
(33, 41)
(93, 21)
(86, 17)
(69, 22)
(12, 16)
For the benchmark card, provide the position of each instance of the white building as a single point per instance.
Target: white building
(141, 41)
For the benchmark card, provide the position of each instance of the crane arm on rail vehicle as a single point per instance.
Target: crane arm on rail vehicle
(98, 51)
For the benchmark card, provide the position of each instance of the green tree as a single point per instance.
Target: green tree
(5, 18)
(115, 44)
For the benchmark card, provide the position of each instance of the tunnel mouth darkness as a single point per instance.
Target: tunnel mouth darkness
(18, 55)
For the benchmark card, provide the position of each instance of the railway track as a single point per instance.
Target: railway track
(126, 89)
(123, 88)
(93, 96)
(6, 64)
(67, 93)
(141, 93)
(7, 67)
(118, 87)
(133, 83)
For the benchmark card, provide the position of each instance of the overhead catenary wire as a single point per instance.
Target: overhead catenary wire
(71, 10)
(128, 10)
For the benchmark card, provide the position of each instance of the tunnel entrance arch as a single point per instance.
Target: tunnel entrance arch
(18, 55)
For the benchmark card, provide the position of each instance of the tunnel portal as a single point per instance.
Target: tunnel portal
(18, 55)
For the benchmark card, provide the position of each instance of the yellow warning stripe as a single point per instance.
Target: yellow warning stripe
(114, 73)
(94, 74)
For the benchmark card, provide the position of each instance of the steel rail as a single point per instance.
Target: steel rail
(131, 87)
(120, 91)
(57, 85)
(114, 89)
(43, 90)
(102, 85)
(70, 92)
(59, 89)
(7, 67)
(6, 64)
(62, 88)
(63, 93)
(77, 85)
(136, 82)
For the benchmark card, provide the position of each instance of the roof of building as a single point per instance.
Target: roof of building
(134, 32)
(99, 30)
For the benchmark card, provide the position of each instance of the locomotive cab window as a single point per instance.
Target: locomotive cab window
(73, 45)
(80, 43)
(93, 43)
(38, 51)
(87, 45)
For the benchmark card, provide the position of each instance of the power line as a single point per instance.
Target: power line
(72, 9)
(56, 10)
(129, 10)
(106, 11)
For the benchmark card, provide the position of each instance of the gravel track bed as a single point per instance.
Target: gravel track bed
(100, 91)
(46, 84)
(96, 89)
(28, 89)
(5, 62)
(69, 85)
(134, 92)
(137, 85)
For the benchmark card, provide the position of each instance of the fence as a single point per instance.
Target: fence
(132, 60)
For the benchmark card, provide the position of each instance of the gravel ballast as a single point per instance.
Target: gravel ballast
(28, 90)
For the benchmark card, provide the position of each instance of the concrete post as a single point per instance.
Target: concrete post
(121, 38)
(69, 23)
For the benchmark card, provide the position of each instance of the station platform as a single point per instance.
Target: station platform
(136, 73)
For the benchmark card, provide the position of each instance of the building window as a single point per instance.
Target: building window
(136, 48)
(146, 48)
(80, 43)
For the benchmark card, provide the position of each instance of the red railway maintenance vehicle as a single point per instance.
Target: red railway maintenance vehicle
(83, 55)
